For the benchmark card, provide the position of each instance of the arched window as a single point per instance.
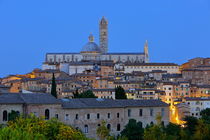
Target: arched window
(118, 127)
(109, 126)
(86, 128)
(88, 116)
(4, 115)
(47, 114)
(151, 123)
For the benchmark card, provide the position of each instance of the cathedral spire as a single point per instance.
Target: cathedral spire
(146, 52)
(103, 29)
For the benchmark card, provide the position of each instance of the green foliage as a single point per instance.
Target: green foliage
(173, 131)
(13, 115)
(155, 132)
(76, 94)
(120, 93)
(102, 131)
(53, 87)
(33, 128)
(202, 131)
(86, 94)
(205, 115)
(191, 123)
(133, 130)
(110, 138)
(122, 138)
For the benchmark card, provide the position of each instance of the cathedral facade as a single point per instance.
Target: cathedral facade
(91, 51)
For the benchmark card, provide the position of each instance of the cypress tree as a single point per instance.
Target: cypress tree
(120, 93)
(53, 87)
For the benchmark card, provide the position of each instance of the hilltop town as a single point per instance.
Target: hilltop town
(168, 89)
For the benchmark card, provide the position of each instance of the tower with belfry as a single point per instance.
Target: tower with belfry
(103, 35)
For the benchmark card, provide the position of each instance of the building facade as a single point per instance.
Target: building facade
(84, 114)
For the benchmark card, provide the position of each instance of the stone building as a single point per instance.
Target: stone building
(92, 52)
(195, 62)
(85, 114)
(192, 106)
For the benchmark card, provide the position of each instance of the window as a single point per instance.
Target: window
(108, 115)
(98, 116)
(118, 127)
(67, 117)
(86, 129)
(4, 115)
(99, 125)
(77, 116)
(162, 112)
(140, 112)
(47, 114)
(118, 115)
(56, 116)
(197, 109)
(129, 112)
(151, 123)
(88, 116)
(109, 126)
(151, 112)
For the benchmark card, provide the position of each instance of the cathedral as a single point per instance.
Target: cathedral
(93, 52)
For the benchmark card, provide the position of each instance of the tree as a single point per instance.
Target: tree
(205, 115)
(133, 130)
(191, 123)
(33, 128)
(13, 115)
(155, 132)
(76, 94)
(173, 129)
(202, 131)
(53, 87)
(86, 94)
(120, 93)
(102, 131)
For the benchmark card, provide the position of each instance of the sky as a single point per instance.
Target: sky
(176, 30)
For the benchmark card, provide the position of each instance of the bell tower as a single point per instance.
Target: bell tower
(146, 52)
(103, 29)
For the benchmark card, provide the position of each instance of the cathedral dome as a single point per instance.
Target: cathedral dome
(91, 46)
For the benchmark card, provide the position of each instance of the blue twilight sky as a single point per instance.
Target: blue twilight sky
(177, 30)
